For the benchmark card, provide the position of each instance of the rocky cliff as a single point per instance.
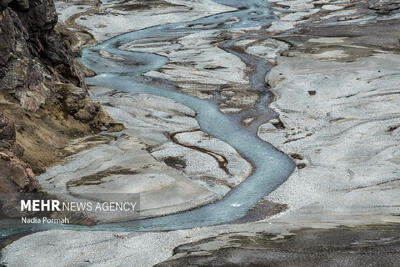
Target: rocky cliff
(15, 174)
(44, 101)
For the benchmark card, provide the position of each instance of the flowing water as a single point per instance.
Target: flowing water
(271, 167)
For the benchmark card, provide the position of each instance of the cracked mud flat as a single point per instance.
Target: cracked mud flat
(337, 100)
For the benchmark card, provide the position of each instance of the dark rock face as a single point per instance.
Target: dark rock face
(384, 6)
(15, 175)
(42, 91)
(364, 246)
(31, 52)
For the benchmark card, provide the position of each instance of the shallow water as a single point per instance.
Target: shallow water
(271, 167)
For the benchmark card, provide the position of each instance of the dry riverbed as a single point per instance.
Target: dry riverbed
(190, 169)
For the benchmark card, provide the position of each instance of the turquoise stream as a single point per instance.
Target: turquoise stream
(271, 167)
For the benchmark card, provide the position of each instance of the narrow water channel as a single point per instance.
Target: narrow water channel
(271, 167)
